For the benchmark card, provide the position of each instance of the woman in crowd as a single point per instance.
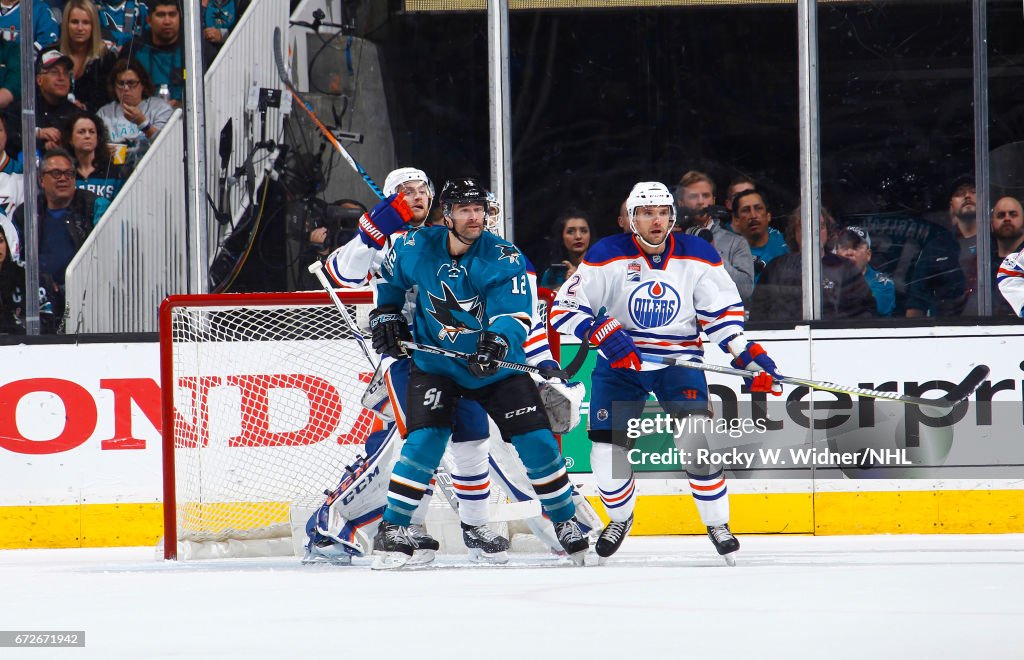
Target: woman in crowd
(81, 41)
(136, 116)
(85, 136)
(571, 234)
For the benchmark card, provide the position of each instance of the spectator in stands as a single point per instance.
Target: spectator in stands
(12, 184)
(9, 164)
(943, 278)
(136, 116)
(778, 295)
(854, 243)
(12, 284)
(162, 50)
(751, 219)
(66, 217)
(44, 25)
(53, 83)
(219, 18)
(572, 235)
(122, 21)
(1008, 238)
(695, 192)
(623, 218)
(81, 41)
(739, 184)
(86, 137)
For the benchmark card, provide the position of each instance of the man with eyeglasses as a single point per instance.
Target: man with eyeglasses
(66, 218)
(53, 84)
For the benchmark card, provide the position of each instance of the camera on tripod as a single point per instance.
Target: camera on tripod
(687, 215)
(341, 221)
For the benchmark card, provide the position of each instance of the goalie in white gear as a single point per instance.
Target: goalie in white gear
(654, 291)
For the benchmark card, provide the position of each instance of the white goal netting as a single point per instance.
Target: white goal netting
(264, 392)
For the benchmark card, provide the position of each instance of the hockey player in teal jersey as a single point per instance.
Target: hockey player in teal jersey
(472, 296)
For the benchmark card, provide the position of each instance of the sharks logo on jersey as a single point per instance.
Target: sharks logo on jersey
(509, 252)
(455, 316)
(653, 304)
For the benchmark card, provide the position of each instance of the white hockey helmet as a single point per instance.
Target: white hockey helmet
(404, 175)
(492, 221)
(650, 193)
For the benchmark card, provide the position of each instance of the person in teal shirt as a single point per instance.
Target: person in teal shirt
(854, 244)
(751, 219)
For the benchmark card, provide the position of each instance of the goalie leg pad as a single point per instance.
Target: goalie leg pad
(376, 397)
(349, 516)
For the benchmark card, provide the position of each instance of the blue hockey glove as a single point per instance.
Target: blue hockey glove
(389, 329)
(385, 219)
(755, 358)
(491, 348)
(617, 347)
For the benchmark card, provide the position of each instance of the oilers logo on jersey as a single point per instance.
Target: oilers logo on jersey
(653, 304)
(455, 316)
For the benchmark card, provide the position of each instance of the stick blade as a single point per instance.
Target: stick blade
(967, 386)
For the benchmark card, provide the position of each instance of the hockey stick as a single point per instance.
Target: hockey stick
(545, 372)
(317, 269)
(960, 391)
(283, 74)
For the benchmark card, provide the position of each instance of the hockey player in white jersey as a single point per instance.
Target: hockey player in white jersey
(653, 291)
(1011, 281)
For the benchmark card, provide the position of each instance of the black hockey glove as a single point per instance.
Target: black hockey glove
(389, 328)
(491, 348)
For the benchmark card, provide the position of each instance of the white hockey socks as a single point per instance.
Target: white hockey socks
(614, 480)
(707, 482)
(472, 480)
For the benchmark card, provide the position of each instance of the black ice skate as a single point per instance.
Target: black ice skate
(612, 537)
(392, 547)
(484, 545)
(572, 539)
(424, 545)
(724, 541)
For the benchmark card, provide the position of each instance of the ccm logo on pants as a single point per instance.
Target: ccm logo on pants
(522, 411)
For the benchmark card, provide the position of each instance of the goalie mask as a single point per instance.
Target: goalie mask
(492, 221)
(650, 193)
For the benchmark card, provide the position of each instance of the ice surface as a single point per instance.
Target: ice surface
(903, 597)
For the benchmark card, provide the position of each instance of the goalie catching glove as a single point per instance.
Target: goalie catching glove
(754, 358)
(385, 219)
(490, 349)
(389, 330)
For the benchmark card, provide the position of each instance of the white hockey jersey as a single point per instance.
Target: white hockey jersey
(1011, 281)
(12, 192)
(662, 301)
(355, 264)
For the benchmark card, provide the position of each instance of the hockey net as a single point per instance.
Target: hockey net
(261, 413)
